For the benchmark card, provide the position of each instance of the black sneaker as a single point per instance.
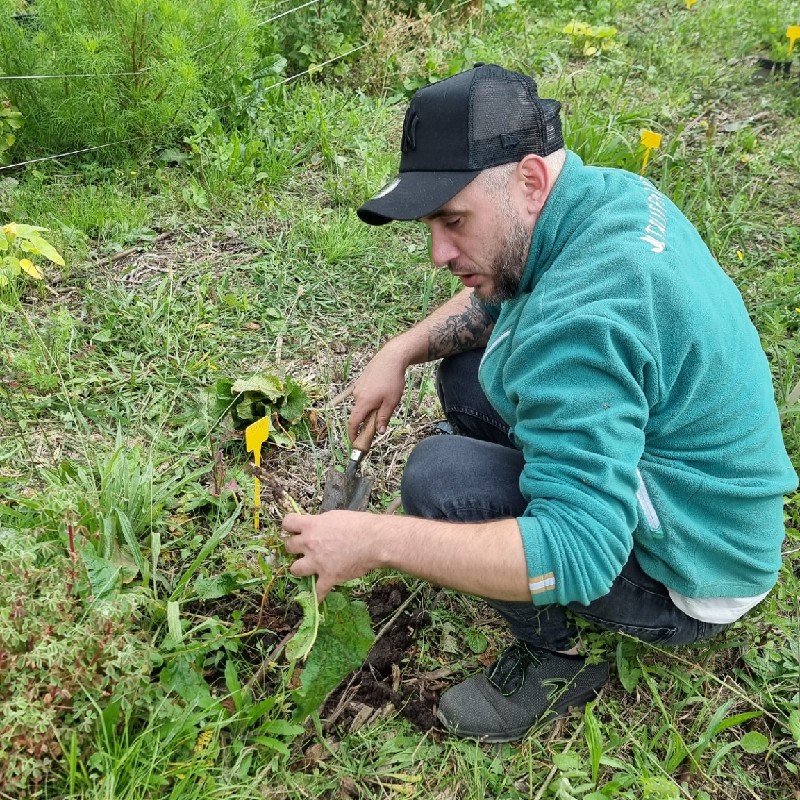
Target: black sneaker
(523, 686)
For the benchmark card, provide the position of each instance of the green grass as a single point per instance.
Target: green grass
(237, 251)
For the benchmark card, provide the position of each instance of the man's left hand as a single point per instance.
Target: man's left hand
(335, 546)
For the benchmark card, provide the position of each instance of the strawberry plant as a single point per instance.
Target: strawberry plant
(263, 395)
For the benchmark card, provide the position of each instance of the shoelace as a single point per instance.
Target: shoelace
(507, 674)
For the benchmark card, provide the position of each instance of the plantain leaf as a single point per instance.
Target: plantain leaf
(627, 661)
(754, 742)
(342, 644)
(299, 646)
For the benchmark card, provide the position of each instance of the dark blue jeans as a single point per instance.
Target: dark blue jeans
(474, 477)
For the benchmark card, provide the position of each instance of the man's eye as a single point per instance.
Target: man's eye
(453, 222)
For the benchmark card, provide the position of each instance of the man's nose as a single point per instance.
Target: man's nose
(443, 251)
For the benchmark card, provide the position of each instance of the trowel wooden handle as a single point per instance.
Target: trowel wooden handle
(363, 441)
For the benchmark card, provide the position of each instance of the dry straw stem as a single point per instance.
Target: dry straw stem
(274, 491)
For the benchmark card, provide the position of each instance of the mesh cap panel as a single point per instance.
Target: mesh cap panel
(509, 120)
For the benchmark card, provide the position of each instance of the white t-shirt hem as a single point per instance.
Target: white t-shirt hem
(716, 610)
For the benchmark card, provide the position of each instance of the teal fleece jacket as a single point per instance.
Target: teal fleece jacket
(637, 389)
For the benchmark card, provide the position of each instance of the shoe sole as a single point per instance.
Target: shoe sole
(556, 711)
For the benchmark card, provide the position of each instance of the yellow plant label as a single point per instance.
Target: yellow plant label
(254, 437)
(792, 33)
(651, 140)
(689, 3)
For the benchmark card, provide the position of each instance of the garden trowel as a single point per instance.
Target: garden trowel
(348, 489)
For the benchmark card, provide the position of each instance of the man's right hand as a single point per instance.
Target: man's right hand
(462, 323)
(380, 386)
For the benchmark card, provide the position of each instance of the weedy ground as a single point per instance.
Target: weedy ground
(143, 618)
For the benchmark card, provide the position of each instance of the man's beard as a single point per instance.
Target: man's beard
(509, 263)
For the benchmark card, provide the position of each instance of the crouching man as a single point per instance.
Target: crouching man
(619, 454)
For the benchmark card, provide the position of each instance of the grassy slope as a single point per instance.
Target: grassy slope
(134, 343)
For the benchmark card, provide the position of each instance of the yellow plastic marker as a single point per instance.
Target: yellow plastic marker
(254, 437)
(650, 141)
(792, 34)
(689, 3)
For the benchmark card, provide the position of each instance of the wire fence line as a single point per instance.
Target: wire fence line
(286, 13)
(316, 68)
(70, 75)
(70, 153)
(261, 24)
(311, 70)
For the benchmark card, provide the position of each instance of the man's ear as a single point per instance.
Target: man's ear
(534, 181)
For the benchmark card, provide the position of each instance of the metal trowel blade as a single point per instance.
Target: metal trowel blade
(342, 491)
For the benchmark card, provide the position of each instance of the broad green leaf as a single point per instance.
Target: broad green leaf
(268, 385)
(794, 725)
(476, 641)
(660, 788)
(281, 439)
(233, 684)
(754, 742)
(130, 539)
(343, 642)
(23, 231)
(736, 719)
(47, 250)
(259, 709)
(568, 762)
(295, 402)
(182, 676)
(248, 407)
(216, 587)
(281, 727)
(222, 390)
(104, 576)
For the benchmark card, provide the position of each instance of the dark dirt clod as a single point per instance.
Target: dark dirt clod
(388, 676)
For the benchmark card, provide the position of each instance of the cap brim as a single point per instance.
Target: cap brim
(412, 195)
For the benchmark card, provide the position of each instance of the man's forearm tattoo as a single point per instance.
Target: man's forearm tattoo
(464, 331)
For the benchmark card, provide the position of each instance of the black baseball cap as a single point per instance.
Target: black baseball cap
(456, 128)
